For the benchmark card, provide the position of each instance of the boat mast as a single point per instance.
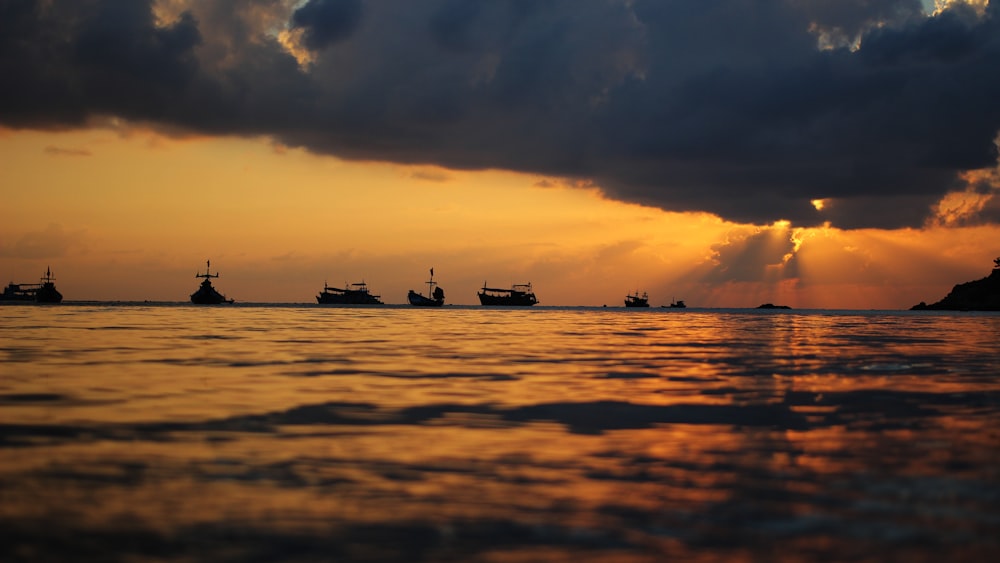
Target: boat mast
(208, 271)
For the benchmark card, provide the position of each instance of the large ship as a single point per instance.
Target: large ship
(43, 292)
(206, 294)
(354, 294)
(634, 300)
(519, 295)
(436, 295)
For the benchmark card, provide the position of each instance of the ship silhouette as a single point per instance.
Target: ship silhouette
(434, 291)
(42, 292)
(634, 300)
(354, 294)
(206, 294)
(519, 295)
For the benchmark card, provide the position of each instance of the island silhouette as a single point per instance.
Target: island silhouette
(978, 295)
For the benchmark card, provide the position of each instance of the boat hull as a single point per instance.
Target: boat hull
(209, 300)
(207, 295)
(347, 298)
(418, 300)
(48, 294)
(516, 300)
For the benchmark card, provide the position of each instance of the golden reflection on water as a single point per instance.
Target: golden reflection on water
(476, 434)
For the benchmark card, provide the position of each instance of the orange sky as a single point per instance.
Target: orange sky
(127, 214)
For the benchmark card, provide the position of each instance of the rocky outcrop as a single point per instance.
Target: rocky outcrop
(979, 295)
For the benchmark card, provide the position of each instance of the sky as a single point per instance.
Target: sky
(813, 153)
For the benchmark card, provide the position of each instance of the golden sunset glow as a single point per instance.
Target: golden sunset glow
(941, 5)
(133, 215)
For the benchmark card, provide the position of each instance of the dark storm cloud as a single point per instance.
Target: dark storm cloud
(62, 62)
(724, 106)
(327, 21)
(844, 20)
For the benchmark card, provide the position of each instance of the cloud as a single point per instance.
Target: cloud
(753, 255)
(749, 110)
(842, 23)
(429, 175)
(60, 151)
(326, 22)
(53, 242)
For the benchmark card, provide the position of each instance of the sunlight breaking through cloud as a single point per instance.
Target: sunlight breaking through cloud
(978, 5)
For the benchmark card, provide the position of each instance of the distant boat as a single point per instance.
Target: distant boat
(436, 298)
(679, 304)
(519, 295)
(354, 294)
(206, 294)
(43, 292)
(635, 301)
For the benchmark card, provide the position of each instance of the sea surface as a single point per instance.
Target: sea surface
(170, 432)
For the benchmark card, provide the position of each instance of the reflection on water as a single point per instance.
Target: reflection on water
(301, 433)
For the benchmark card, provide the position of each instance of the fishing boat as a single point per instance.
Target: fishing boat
(435, 292)
(519, 295)
(634, 300)
(46, 292)
(354, 294)
(679, 304)
(206, 294)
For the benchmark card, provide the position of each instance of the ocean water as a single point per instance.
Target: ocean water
(300, 433)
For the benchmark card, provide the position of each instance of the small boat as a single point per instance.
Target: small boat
(679, 304)
(46, 292)
(354, 294)
(436, 298)
(206, 294)
(519, 295)
(634, 300)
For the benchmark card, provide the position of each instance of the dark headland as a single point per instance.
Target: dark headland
(979, 295)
